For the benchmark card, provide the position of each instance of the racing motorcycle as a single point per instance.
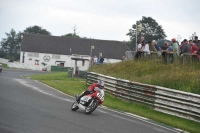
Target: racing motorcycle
(89, 102)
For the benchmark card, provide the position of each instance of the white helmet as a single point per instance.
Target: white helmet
(101, 84)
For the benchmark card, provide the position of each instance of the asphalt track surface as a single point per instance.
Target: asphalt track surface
(28, 106)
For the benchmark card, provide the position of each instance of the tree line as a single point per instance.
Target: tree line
(11, 45)
(147, 27)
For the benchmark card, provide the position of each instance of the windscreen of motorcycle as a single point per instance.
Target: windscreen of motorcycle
(86, 98)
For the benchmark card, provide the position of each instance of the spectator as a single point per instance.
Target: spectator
(186, 47)
(139, 50)
(151, 47)
(95, 59)
(142, 40)
(194, 49)
(167, 49)
(196, 41)
(123, 57)
(143, 44)
(181, 47)
(175, 49)
(101, 60)
(164, 50)
(155, 45)
(98, 61)
(146, 49)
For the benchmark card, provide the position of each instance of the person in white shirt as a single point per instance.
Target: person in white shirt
(146, 48)
(95, 59)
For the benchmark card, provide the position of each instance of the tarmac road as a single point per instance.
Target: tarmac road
(28, 106)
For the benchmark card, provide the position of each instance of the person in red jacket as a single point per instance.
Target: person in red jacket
(91, 88)
(194, 47)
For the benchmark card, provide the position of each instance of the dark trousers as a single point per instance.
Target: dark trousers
(138, 54)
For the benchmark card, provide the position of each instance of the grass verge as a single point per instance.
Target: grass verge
(4, 65)
(73, 86)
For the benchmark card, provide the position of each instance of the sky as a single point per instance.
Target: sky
(100, 19)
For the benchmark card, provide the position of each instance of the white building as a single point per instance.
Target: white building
(39, 50)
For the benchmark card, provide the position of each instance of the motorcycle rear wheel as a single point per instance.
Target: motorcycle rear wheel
(92, 106)
(74, 106)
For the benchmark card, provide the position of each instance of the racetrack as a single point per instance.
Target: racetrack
(28, 106)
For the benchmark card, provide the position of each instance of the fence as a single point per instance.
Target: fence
(178, 103)
(165, 57)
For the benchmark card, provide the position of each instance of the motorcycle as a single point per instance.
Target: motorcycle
(89, 102)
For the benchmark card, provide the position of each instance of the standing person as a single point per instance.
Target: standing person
(155, 45)
(142, 49)
(186, 47)
(196, 41)
(181, 47)
(168, 49)
(194, 48)
(142, 40)
(95, 60)
(151, 47)
(98, 61)
(123, 57)
(175, 49)
(101, 60)
(146, 48)
(139, 50)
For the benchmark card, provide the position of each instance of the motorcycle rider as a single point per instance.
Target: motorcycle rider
(90, 90)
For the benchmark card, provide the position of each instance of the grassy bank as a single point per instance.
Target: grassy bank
(176, 76)
(73, 86)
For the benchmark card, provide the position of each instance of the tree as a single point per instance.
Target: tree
(36, 30)
(72, 34)
(10, 46)
(147, 27)
(130, 44)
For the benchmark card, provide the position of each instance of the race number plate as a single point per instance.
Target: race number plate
(101, 96)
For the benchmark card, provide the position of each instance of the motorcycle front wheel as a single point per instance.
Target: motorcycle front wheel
(74, 106)
(92, 106)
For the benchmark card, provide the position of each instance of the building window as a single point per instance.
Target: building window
(36, 54)
(33, 54)
(54, 56)
(30, 54)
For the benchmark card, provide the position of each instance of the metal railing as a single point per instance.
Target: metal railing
(178, 103)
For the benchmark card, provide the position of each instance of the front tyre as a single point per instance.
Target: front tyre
(74, 106)
(92, 106)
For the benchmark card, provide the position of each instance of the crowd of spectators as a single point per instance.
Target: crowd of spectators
(191, 48)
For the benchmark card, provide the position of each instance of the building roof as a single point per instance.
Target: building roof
(67, 46)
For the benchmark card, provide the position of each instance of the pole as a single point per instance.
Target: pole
(91, 52)
(136, 38)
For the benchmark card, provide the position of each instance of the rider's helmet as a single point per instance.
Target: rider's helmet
(100, 84)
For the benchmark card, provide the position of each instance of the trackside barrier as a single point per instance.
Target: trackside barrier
(178, 103)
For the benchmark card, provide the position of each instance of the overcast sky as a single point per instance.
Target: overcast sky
(100, 19)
